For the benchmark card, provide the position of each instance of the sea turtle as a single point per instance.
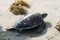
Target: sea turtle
(33, 22)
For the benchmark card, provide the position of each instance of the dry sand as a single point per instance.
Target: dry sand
(7, 19)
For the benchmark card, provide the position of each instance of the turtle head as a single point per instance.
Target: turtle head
(44, 15)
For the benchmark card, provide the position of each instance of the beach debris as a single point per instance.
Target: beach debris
(32, 22)
(23, 3)
(58, 26)
(19, 7)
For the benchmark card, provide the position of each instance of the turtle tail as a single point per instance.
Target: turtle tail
(44, 15)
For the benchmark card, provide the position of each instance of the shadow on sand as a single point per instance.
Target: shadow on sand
(1, 28)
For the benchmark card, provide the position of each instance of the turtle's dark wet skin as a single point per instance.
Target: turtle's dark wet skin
(32, 23)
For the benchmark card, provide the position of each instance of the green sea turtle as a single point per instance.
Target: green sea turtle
(33, 22)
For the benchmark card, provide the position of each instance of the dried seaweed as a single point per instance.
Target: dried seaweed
(58, 26)
(19, 7)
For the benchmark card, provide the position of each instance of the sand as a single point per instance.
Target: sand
(7, 19)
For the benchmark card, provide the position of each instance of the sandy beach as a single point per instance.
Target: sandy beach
(7, 19)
